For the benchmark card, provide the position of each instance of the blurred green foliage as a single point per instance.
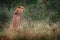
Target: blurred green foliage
(34, 9)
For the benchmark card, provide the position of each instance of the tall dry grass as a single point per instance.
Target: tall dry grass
(40, 31)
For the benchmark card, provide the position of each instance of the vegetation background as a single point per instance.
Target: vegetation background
(41, 18)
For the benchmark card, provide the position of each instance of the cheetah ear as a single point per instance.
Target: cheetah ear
(19, 7)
